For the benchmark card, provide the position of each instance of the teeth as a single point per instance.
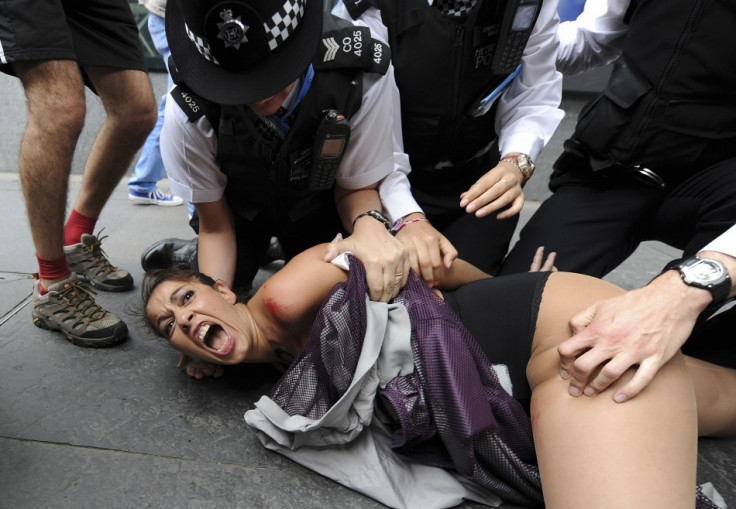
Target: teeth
(204, 332)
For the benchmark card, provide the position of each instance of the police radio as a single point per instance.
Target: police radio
(330, 142)
(516, 27)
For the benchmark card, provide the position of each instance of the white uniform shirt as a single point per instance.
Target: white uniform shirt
(189, 152)
(594, 39)
(725, 243)
(528, 111)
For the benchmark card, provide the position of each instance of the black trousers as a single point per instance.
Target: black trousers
(595, 223)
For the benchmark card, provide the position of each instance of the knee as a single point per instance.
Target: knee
(140, 119)
(62, 117)
(135, 120)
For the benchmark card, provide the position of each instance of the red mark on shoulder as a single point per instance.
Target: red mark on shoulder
(273, 307)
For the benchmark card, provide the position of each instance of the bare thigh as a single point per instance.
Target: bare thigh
(565, 295)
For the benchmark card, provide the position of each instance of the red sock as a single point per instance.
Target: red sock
(51, 269)
(76, 225)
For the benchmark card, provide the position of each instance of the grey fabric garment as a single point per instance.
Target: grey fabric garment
(351, 447)
(327, 419)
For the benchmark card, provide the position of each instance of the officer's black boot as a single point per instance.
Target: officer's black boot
(168, 252)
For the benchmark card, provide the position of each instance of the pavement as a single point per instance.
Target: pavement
(121, 427)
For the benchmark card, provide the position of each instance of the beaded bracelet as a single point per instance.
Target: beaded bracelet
(401, 223)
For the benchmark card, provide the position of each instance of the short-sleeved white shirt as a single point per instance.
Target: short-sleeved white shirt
(189, 151)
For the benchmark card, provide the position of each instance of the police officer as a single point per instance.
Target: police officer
(653, 157)
(479, 100)
(280, 126)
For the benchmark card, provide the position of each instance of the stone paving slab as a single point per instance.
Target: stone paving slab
(121, 427)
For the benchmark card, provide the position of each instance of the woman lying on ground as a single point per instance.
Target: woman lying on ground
(591, 452)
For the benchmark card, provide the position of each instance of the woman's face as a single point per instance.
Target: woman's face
(202, 322)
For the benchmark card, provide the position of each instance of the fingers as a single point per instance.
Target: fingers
(449, 253)
(491, 200)
(594, 371)
(568, 352)
(516, 205)
(334, 249)
(585, 368)
(580, 321)
(428, 250)
(549, 264)
(199, 369)
(427, 261)
(643, 376)
(385, 282)
(493, 191)
(536, 265)
(539, 264)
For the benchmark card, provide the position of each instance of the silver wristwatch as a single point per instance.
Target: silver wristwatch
(523, 162)
(707, 274)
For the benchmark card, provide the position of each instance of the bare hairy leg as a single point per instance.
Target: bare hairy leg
(594, 452)
(55, 95)
(131, 110)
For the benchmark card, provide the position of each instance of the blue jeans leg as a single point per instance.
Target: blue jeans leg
(150, 167)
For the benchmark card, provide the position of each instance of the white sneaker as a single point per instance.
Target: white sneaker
(155, 197)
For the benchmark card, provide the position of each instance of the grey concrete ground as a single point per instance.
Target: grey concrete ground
(121, 427)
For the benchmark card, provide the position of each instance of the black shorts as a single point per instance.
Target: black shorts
(501, 314)
(94, 33)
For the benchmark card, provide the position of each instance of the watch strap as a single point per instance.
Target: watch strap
(526, 168)
(377, 215)
(719, 289)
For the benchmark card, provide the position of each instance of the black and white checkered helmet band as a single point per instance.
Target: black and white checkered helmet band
(284, 22)
(455, 8)
(202, 46)
(278, 28)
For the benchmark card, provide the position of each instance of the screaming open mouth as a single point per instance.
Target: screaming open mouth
(215, 339)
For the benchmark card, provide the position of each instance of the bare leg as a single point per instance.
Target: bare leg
(594, 452)
(56, 110)
(131, 114)
(715, 391)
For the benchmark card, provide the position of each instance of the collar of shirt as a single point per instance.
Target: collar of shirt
(280, 118)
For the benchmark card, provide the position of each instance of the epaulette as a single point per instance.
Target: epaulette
(352, 47)
(194, 106)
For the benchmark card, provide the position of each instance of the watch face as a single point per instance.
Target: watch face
(709, 275)
(705, 271)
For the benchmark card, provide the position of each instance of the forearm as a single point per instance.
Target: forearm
(690, 299)
(217, 249)
(351, 203)
(460, 273)
(216, 255)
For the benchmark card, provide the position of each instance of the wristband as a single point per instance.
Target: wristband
(377, 215)
(400, 223)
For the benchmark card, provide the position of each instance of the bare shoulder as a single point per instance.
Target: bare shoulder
(301, 285)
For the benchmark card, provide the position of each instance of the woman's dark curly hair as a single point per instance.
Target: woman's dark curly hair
(153, 278)
(180, 272)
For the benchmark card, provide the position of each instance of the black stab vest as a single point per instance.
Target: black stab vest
(268, 174)
(443, 66)
(671, 100)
